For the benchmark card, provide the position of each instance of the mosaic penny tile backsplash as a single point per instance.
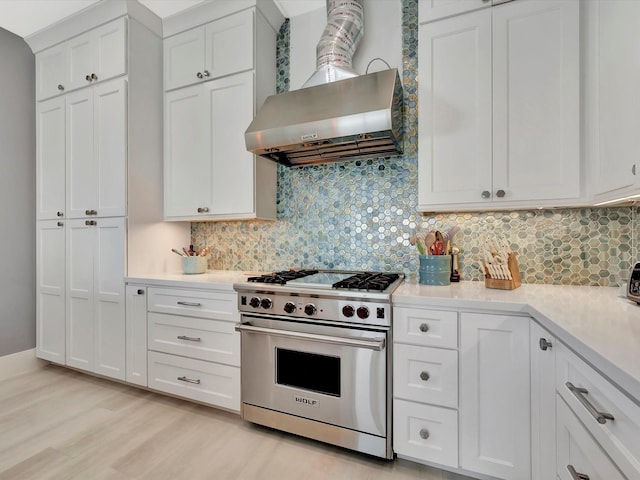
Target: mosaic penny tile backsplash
(361, 214)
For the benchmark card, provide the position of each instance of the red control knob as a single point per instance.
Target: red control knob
(289, 307)
(266, 303)
(254, 302)
(348, 311)
(363, 312)
(310, 309)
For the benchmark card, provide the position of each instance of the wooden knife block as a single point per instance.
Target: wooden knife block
(515, 281)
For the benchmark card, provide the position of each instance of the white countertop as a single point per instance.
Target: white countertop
(211, 280)
(596, 322)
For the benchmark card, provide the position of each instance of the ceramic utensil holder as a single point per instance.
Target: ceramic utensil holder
(193, 265)
(501, 284)
(435, 269)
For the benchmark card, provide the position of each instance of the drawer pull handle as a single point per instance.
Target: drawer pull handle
(424, 376)
(424, 433)
(424, 327)
(190, 304)
(189, 380)
(575, 475)
(189, 339)
(579, 393)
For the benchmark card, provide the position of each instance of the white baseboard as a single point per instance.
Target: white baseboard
(19, 363)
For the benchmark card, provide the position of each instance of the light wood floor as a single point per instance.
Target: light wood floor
(59, 424)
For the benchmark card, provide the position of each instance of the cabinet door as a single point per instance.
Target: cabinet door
(184, 58)
(136, 334)
(454, 164)
(494, 395)
(51, 72)
(543, 405)
(536, 100)
(80, 164)
(50, 306)
(110, 50)
(110, 149)
(187, 164)
(229, 44)
(80, 294)
(578, 451)
(109, 297)
(230, 104)
(614, 97)
(80, 54)
(50, 158)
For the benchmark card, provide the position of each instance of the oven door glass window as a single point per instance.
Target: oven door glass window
(308, 371)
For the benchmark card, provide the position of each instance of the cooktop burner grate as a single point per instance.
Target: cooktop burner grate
(281, 278)
(367, 281)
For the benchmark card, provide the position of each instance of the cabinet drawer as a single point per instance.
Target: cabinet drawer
(194, 303)
(426, 375)
(578, 450)
(431, 328)
(619, 437)
(204, 339)
(425, 433)
(211, 383)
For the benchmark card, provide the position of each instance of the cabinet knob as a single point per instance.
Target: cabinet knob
(486, 194)
(60, 87)
(140, 291)
(424, 327)
(60, 214)
(61, 224)
(545, 344)
(576, 475)
(199, 75)
(94, 77)
(90, 212)
(500, 193)
(424, 433)
(203, 209)
(206, 73)
(424, 376)
(90, 223)
(87, 78)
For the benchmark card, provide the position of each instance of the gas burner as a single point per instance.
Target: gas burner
(367, 281)
(281, 278)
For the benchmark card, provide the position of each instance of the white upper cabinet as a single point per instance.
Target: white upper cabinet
(436, 9)
(613, 98)
(50, 159)
(499, 118)
(223, 47)
(89, 58)
(96, 151)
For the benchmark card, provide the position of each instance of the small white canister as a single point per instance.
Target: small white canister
(193, 265)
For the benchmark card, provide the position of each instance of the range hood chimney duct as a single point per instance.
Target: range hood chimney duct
(337, 115)
(339, 41)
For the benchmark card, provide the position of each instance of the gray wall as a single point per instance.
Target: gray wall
(17, 195)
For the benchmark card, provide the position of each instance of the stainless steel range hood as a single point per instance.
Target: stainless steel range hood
(359, 117)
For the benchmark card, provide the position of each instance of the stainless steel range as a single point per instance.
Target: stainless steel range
(316, 355)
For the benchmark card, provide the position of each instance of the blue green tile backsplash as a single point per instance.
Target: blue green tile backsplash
(360, 215)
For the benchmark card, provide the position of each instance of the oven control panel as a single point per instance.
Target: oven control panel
(344, 310)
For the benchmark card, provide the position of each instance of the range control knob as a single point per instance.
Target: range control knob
(254, 302)
(310, 309)
(363, 312)
(348, 311)
(289, 307)
(266, 303)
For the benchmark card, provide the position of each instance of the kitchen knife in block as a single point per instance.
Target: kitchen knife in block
(515, 281)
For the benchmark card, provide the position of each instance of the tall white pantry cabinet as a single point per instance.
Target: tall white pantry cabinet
(99, 180)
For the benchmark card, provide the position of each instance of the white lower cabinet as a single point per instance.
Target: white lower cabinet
(194, 350)
(136, 334)
(95, 304)
(494, 395)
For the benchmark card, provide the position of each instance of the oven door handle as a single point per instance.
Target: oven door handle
(377, 345)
